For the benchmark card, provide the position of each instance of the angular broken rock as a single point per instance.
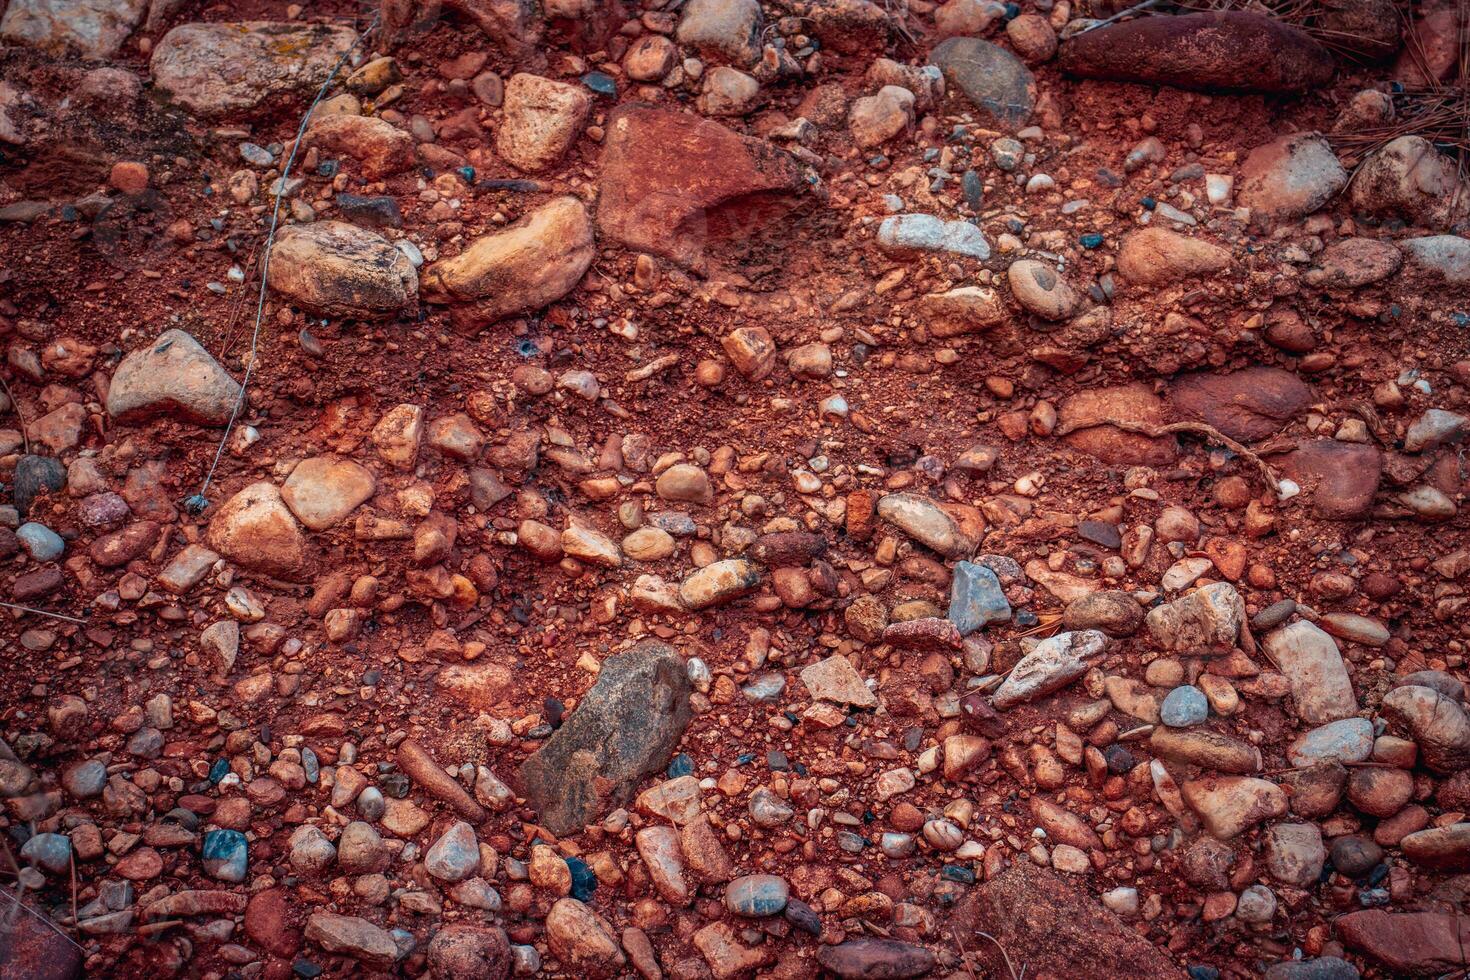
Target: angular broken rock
(1437, 724)
(1446, 848)
(352, 936)
(255, 529)
(673, 183)
(172, 376)
(335, 269)
(1231, 50)
(220, 68)
(1409, 943)
(835, 679)
(94, 29)
(625, 728)
(997, 82)
(1157, 256)
(1081, 417)
(1054, 663)
(962, 310)
(1409, 178)
(542, 119)
(1313, 666)
(323, 490)
(1209, 617)
(927, 522)
(523, 267)
(1341, 477)
(583, 940)
(904, 234)
(1230, 805)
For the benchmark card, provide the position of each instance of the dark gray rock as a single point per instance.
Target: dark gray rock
(1322, 968)
(991, 77)
(626, 727)
(876, 959)
(33, 475)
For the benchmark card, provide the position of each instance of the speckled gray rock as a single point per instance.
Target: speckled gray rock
(992, 78)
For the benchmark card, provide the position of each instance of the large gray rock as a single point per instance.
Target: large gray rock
(1410, 179)
(92, 28)
(996, 81)
(1320, 687)
(1290, 176)
(1051, 665)
(625, 729)
(1444, 256)
(332, 268)
(172, 376)
(725, 30)
(217, 69)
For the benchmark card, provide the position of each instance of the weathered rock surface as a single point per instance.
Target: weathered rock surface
(255, 529)
(219, 68)
(336, 269)
(173, 375)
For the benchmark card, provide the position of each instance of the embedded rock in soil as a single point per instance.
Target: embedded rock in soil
(173, 375)
(907, 234)
(1408, 942)
(379, 148)
(869, 958)
(216, 69)
(332, 268)
(1340, 478)
(1230, 805)
(481, 952)
(254, 528)
(1246, 405)
(1410, 179)
(1114, 612)
(352, 936)
(965, 309)
(993, 79)
(727, 30)
(1042, 918)
(1051, 665)
(1445, 257)
(1158, 257)
(673, 184)
(625, 728)
(1289, 177)
(1228, 50)
(927, 522)
(91, 28)
(1206, 749)
(583, 940)
(323, 490)
(1320, 688)
(541, 121)
(1348, 740)
(521, 268)
(1083, 417)
(1353, 263)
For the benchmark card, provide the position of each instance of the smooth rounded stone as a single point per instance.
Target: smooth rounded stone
(648, 544)
(1230, 805)
(650, 58)
(1355, 629)
(370, 803)
(1355, 855)
(1321, 968)
(336, 269)
(1349, 740)
(1445, 257)
(323, 490)
(1247, 405)
(927, 522)
(254, 528)
(1315, 791)
(35, 475)
(1256, 905)
(1122, 900)
(728, 92)
(50, 852)
(172, 376)
(727, 30)
(994, 80)
(15, 777)
(1114, 612)
(360, 849)
(1443, 848)
(1051, 665)
(455, 855)
(476, 893)
(1157, 257)
(876, 959)
(215, 69)
(904, 234)
(1184, 707)
(1209, 617)
(1291, 176)
(1295, 854)
(85, 780)
(1041, 290)
(896, 845)
(311, 852)
(1353, 263)
(1437, 724)
(718, 583)
(541, 120)
(1321, 690)
(1231, 50)
(1380, 791)
(534, 261)
(767, 809)
(1063, 826)
(685, 483)
(1409, 178)
(583, 940)
(40, 542)
(463, 950)
(352, 936)
(756, 896)
(1436, 680)
(226, 855)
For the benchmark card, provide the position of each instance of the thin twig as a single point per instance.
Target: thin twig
(1010, 968)
(43, 612)
(24, 429)
(1136, 8)
(1198, 428)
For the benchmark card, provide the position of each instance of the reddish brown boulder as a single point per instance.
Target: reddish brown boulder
(1339, 477)
(673, 183)
(1079, 415)
(1409, 942)
(1245, 405)
(270, 920)
(1230, 50)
